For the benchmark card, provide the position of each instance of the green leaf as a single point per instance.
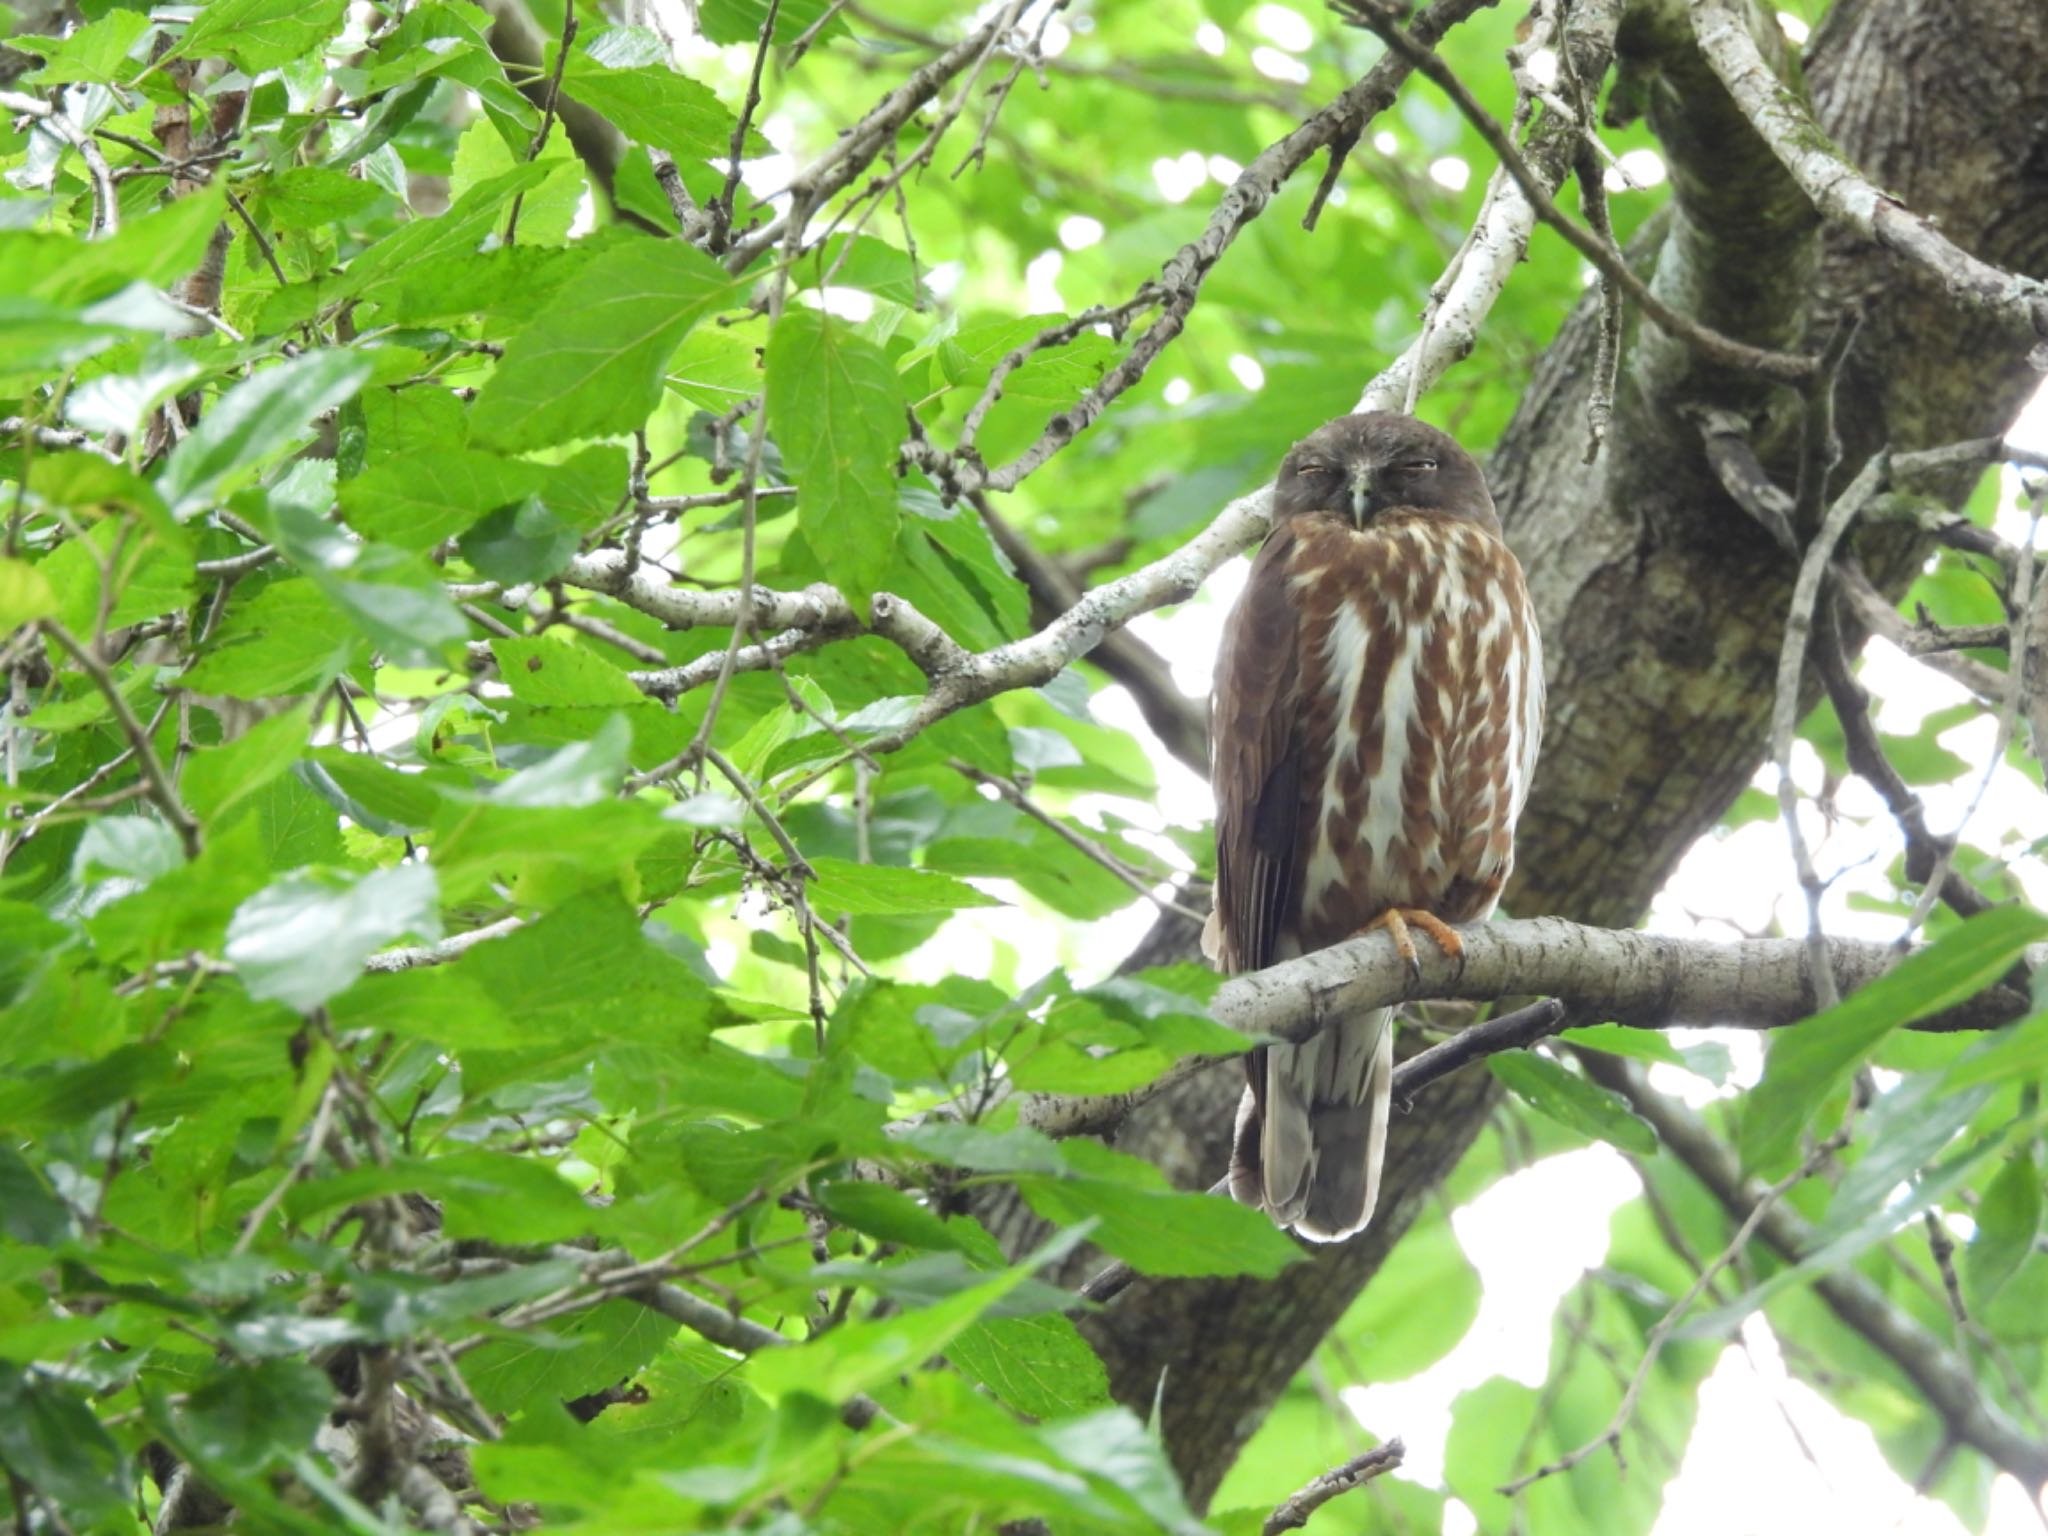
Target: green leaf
(1562, 1095)
(312, 197)
(2018, 1050)
(24, 594)
(1808, 1061)
(1161, 1233)
(255, 421)
(51, 1441)
(882, 890)
(243, 1418)
(837, 409)
(30, 1212)
(547, 671)
(887, 1213)
(305, 938)
(2008, 1222)
(488, 1195)
(858, 1357)
(415, 500)
(522, 542)
(222, 777)
(286, 638)
(97, 53)
(654, 105)
(260, 34)
(595, 367)
(1037, 1365)
(583, 1353)
(1621, 1040)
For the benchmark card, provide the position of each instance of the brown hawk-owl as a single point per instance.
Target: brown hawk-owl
(1378, 706)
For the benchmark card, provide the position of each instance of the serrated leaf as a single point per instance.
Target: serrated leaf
(1561, 1095)
(415, 500)
(837, 409)
(523, 542)
(655, 105)
(305, 938)
(224, 776)
(260, 34)
(243, 1418)
(595, 368)
(255, 421)
(883, 890)
(1036, 1365)
(50, 1439)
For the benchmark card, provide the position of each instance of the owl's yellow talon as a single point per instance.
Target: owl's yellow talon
(1396, 921)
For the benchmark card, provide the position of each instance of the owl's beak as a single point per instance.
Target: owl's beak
(1361, 492)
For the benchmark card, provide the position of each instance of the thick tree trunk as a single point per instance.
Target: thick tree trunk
(1662, 604)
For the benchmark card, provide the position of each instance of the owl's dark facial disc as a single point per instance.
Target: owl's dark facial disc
(1358, 468)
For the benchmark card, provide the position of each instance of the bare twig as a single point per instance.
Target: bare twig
(1783, 367)
(547, 112)
(1294, 1512)
(1785, 712)
(161, 790)
(1013, 792)
(106, 205)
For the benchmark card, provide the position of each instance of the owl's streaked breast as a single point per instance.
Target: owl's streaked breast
(1420, 720)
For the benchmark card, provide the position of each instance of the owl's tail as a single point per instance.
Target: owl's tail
(1312, 1128)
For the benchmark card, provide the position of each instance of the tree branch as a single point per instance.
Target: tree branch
(1845, 196)
(1784, 367)
(1179, 283)
(1294, 1513)
(958, 678)
(1650, 981)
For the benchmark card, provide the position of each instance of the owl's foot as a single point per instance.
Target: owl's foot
(1397, 920)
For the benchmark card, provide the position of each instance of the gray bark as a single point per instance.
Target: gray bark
(1662, 604)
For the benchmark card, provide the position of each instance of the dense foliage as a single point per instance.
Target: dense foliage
(483, 1032)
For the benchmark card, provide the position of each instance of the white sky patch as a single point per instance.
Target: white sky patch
(1544, 1227)
(1078, 231)
(1055, 39)
(1181, 177)
(1283, 25)
(1178, 391)
(1542, 66)
(1386, 141)
(1639, 168)
(1275, 65)
(1041, 283)
(1210, 39)
(2031, 429)
(1451, 173)
(1794, 27)
(944, 278)
(1223, 170)
(1744, 1469)
(853, 304)
(1247, 370)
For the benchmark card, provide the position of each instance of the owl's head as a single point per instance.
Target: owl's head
(1358, 467)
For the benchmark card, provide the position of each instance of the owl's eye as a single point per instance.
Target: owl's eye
(1420, 466)
(1317, 470)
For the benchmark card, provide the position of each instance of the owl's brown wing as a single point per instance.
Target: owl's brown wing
(1255, 762)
